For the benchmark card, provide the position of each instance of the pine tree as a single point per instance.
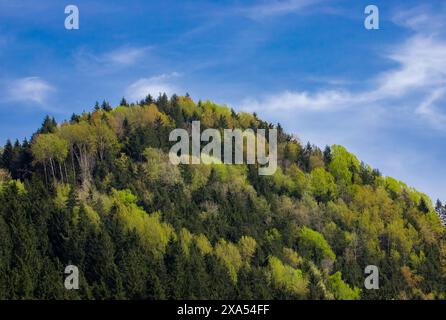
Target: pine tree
(198, 282)
(163, 103)
(75, 118)
(49, 125)
(5, 259)
(177, 113)
(149, 100)
(7, 155)
(26, 261)
(106, 106)
(124, 102)
(25, 160)
(15, 165)
(327, 155)
(102, 271)
(175, 267)
(422, 206)
(131, 261)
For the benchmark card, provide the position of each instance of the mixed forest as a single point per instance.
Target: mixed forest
(98, 191)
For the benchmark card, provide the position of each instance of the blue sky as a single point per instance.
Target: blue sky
(310, 65)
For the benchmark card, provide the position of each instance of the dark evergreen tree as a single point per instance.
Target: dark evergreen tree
(123, 102)
(149, 100)
(422, 206)
(327, 155)
(8, 155)
(75, 118)
(163, 103)
(102, 271)
(176, 268)
(106, 106)
(49, 125)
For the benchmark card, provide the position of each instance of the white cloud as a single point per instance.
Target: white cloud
(429, 110)
(417, 82)
(289, 101)
(333, 81)
(277, 7)
(154, 86)
(124, 55)
(121, 57)
(30, 89)
(421, 19)
(422, 65)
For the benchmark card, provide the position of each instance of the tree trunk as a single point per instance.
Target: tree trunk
(74, 169)
(66, 172)
(46, 178)
(52, 169)
(60, 170)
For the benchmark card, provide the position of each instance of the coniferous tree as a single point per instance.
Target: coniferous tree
(327, 155)
(8, 155)
(49, 125)
(26, 261)
(123, 102)
(106, 106)
(149, 100)
(163, 103)
(75, 118)
(422, 206)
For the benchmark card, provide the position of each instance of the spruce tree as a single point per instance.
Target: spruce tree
(7, 155)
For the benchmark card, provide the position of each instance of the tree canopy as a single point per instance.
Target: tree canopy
(98, 191)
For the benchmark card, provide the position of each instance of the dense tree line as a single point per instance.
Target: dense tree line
(99, 192)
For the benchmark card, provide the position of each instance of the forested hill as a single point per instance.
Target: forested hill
(99, 192)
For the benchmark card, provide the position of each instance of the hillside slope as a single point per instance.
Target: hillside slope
(99, 192)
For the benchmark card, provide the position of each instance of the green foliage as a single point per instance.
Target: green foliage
(287, 278)
(343, 165)
(154, 234)
(49, 146)
(340, 289)
(247, 248)
(313, 245)
(322, 184)
(99, 192)
(291, 257)
(203, 244)
(230, 256)
(158, 168)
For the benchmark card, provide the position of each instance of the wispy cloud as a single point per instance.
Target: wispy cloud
(153, 85)
(277, 8)
(333, 81)
(111, 60)
(289, 101)
(422, 65)
(394, 120)
(429, 109)
(421, 19)
(124, 55)
(30, 89)
(417, 82)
